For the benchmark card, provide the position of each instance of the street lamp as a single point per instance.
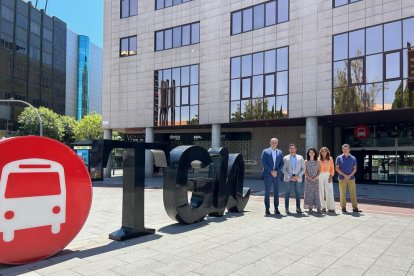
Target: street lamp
(11, 100)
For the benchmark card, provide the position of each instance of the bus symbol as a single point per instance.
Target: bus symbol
(32, 194)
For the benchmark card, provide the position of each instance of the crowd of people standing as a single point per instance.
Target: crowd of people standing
(317, 171)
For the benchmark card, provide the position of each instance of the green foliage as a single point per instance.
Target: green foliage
(258, 110)
(69, 124)
(89, 128)
(29, 123)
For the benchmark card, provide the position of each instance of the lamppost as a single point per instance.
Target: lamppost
(11, 100)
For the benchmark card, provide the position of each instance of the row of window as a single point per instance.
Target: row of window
(178, 36)
(130, 7)
(338, 3)
(259, 16)
(162, 4)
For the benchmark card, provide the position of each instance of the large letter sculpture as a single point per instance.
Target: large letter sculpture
(210, 196)
(133, 183)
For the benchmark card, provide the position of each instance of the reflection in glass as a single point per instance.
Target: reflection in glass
(194, 94)
(281, 106)
(168, 39)
(195, 33)
(235, 67)
(258, 63)
(166, 75)
(408, 98)
(340, 73)
(392, 66)
(245, 109)
(177, 96)
(185, 75)
(392, 36)
(176, 115)
(405, 63)
(247, 20)
(357, 71)
(177, 37)
(271, 13)
(282, 11)
(281, 83)
(270, 84)
(257, 86)
(246, 65)
(235, 89)
(340, 47)
(176, 76)
(340, 3)
(374, 96)
(132, 45)
(246, 88)
(194, 74)
(186, 35)
(356, 43)
(258, 16)
(408, 32)
(235, 111)
(392, 94)
(269, 108)
(159, 41)
(193, 115)
(270, 61)
(374, 40)
(236, 23)
(185, 99)
(282, 59)
(185, 115)
(374, 68)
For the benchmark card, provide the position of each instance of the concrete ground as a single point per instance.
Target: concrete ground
(379, 241)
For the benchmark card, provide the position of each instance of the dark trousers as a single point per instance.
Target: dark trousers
(288, 186)
(268, 182)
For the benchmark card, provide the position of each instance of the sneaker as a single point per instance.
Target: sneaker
(299, 211)
(344, 210)
(277, 211)
(356, 210)
(267, 211)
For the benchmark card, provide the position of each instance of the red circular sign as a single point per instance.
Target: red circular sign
(361, 132)
(45, 198)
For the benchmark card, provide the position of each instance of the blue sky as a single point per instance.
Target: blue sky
(81, 16)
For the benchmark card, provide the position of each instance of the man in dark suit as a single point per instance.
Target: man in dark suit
(272, 161)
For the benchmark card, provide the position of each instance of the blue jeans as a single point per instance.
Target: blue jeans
(268, 181)
(288, 189)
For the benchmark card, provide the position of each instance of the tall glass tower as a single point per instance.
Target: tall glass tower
(83, 77)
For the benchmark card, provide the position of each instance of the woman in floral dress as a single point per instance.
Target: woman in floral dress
(312, 181)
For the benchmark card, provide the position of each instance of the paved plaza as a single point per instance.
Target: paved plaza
(380, 241)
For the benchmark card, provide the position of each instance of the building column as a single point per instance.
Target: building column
(311, 133)
(216, 136)
(149, 158)
(337, 143)
(108, 136)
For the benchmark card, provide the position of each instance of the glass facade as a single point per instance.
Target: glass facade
(259, 16)
(32, 60)
(83, 77)
(371, 68)
(338, 3)
(177, 36)
(162, 4)
(128, 46)
(176, 96)
(259, 85)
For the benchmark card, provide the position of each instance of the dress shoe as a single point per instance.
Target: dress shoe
(324, 210)
(267, 211)
(319, 211)
(299, 211)
(356, 210)
(277, 211)
(310, 211)
(344, 210)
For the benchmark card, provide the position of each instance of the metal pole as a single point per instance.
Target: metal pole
(26, 103)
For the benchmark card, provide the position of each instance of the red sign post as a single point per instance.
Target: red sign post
(361, 132)
(45, 198)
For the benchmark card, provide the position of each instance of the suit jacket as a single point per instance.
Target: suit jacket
(287, 168)
(267, 162)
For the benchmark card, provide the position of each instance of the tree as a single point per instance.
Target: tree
(29, 123)
(69, 124)
(89, 128)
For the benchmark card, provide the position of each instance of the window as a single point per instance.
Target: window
(7, 14)
(177, 37)
(176, 96)
(129, 8)
(370, 68)
(259, 16)
(35, 28)
(338, 3)
(128, 46)
(259, 85)
(47, 34)
(21, 21)
(162, 4)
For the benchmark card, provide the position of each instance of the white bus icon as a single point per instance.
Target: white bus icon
(32, 194)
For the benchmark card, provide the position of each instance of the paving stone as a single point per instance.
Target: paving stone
(394, 262)
(376, 270)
